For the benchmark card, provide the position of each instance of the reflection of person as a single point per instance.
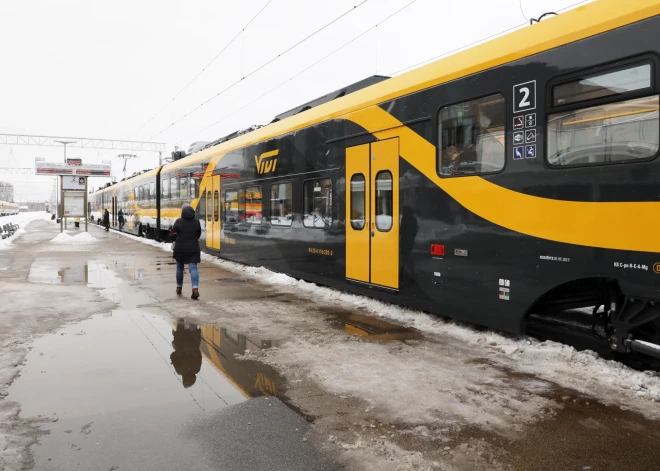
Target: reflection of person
(450, 156)
(186, 357)
(106, 220)
(186, 231)
(408, 233)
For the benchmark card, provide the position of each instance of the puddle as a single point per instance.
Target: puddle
(52, 273)
(5, 261)
(126, 382)
(370, 329)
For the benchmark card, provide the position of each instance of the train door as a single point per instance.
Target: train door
(372, 208)
(213, 217)
(114, 211)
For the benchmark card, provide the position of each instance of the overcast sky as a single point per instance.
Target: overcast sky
(102, 69)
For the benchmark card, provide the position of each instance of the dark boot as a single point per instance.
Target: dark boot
(195, 294)
(178, 290)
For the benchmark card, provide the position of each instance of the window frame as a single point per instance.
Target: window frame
(332, 205)
(438, 136)
(245, 192)
(270, 204)
(238, 205)
(608, 67)
(375, 202)
(364, 202)
(216, 208)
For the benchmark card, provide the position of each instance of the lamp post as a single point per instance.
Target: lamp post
(64, 143)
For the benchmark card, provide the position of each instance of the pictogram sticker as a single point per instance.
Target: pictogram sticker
(518, 153)
(518, 137)
(530, 136)
(530, 120)
(656, 268)
(518, 122)
(530, 152)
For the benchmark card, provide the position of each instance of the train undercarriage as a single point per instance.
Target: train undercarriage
(598, 307)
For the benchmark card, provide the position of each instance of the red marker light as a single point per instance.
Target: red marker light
(438, 250)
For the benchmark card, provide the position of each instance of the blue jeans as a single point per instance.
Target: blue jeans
(194, 275)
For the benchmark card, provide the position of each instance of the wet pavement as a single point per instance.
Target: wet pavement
(253, 377)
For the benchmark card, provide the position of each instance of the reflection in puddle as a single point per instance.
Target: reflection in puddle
(370, 329)
(53, 273)
(136, 372)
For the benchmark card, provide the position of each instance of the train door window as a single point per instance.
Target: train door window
(183, 188)
(231, 206)
(209, 202)
(193, 185)
(384, 201)
(317, 203)
(253, 205)
(358, 198)
(281, 204)
(471, 136)
(216, 205)
(140, 193)
(145, 192)
(174, 188)
(165, 187)
(152, 190)
(623, 129)
(201, 207)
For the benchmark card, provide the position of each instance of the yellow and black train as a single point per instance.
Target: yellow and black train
(517, 177)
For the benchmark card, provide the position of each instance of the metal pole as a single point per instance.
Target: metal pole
(62, 200)
(86, 206)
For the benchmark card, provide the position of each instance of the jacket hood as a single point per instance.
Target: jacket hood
(187, 212)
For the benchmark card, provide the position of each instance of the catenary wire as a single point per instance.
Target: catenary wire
(302, 71)
(476, 42)
(242, 30)
(265, 64)
(522, 11)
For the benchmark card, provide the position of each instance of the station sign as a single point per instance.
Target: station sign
(74, 182)
(60, 168)
(77, 162)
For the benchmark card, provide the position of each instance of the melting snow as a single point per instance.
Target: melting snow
(67, 239)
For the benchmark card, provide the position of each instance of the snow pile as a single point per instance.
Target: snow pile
(22, 219)
(66, 239)
(585, 371)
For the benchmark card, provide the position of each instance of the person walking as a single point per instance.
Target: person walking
(120, 214)
(106, 220)
(76, 221)
(185, 233)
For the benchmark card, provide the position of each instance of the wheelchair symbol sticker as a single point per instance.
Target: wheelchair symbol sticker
(530, 152)
(518, 153)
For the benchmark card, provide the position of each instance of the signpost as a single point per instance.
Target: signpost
(72, 178)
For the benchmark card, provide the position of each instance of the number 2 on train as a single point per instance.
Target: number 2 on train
(524, 96)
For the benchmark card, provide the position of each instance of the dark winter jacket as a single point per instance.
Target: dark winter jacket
(106, 218)
(186, 233)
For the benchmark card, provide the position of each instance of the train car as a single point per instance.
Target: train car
(8, 209)
(518, 177)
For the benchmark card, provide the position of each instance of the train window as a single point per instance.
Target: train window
(384, 201)
(209, 202)
(192, 187)
(602, 85)
(165, 188)
(152, 190)
(317, 203)
(201, 207)
(231, 206)
(145, 191)
(253, 205)
(358, 216)
(183, 188)
(174, 193)
(140, 193)
(471, 136)
(613, 133)
(216, 205)
(281, 204)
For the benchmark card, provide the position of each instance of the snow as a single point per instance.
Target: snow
(65, 238)
(22, 219)
(609, 381)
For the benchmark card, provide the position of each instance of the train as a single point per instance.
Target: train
(8, 209)
(516, 178)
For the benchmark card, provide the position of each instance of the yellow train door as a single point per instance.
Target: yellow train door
(217, 217)
(372, 213)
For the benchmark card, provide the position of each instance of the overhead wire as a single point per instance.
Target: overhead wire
(231, 41)
(477, 42)
(265, 64)
(302, 71)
